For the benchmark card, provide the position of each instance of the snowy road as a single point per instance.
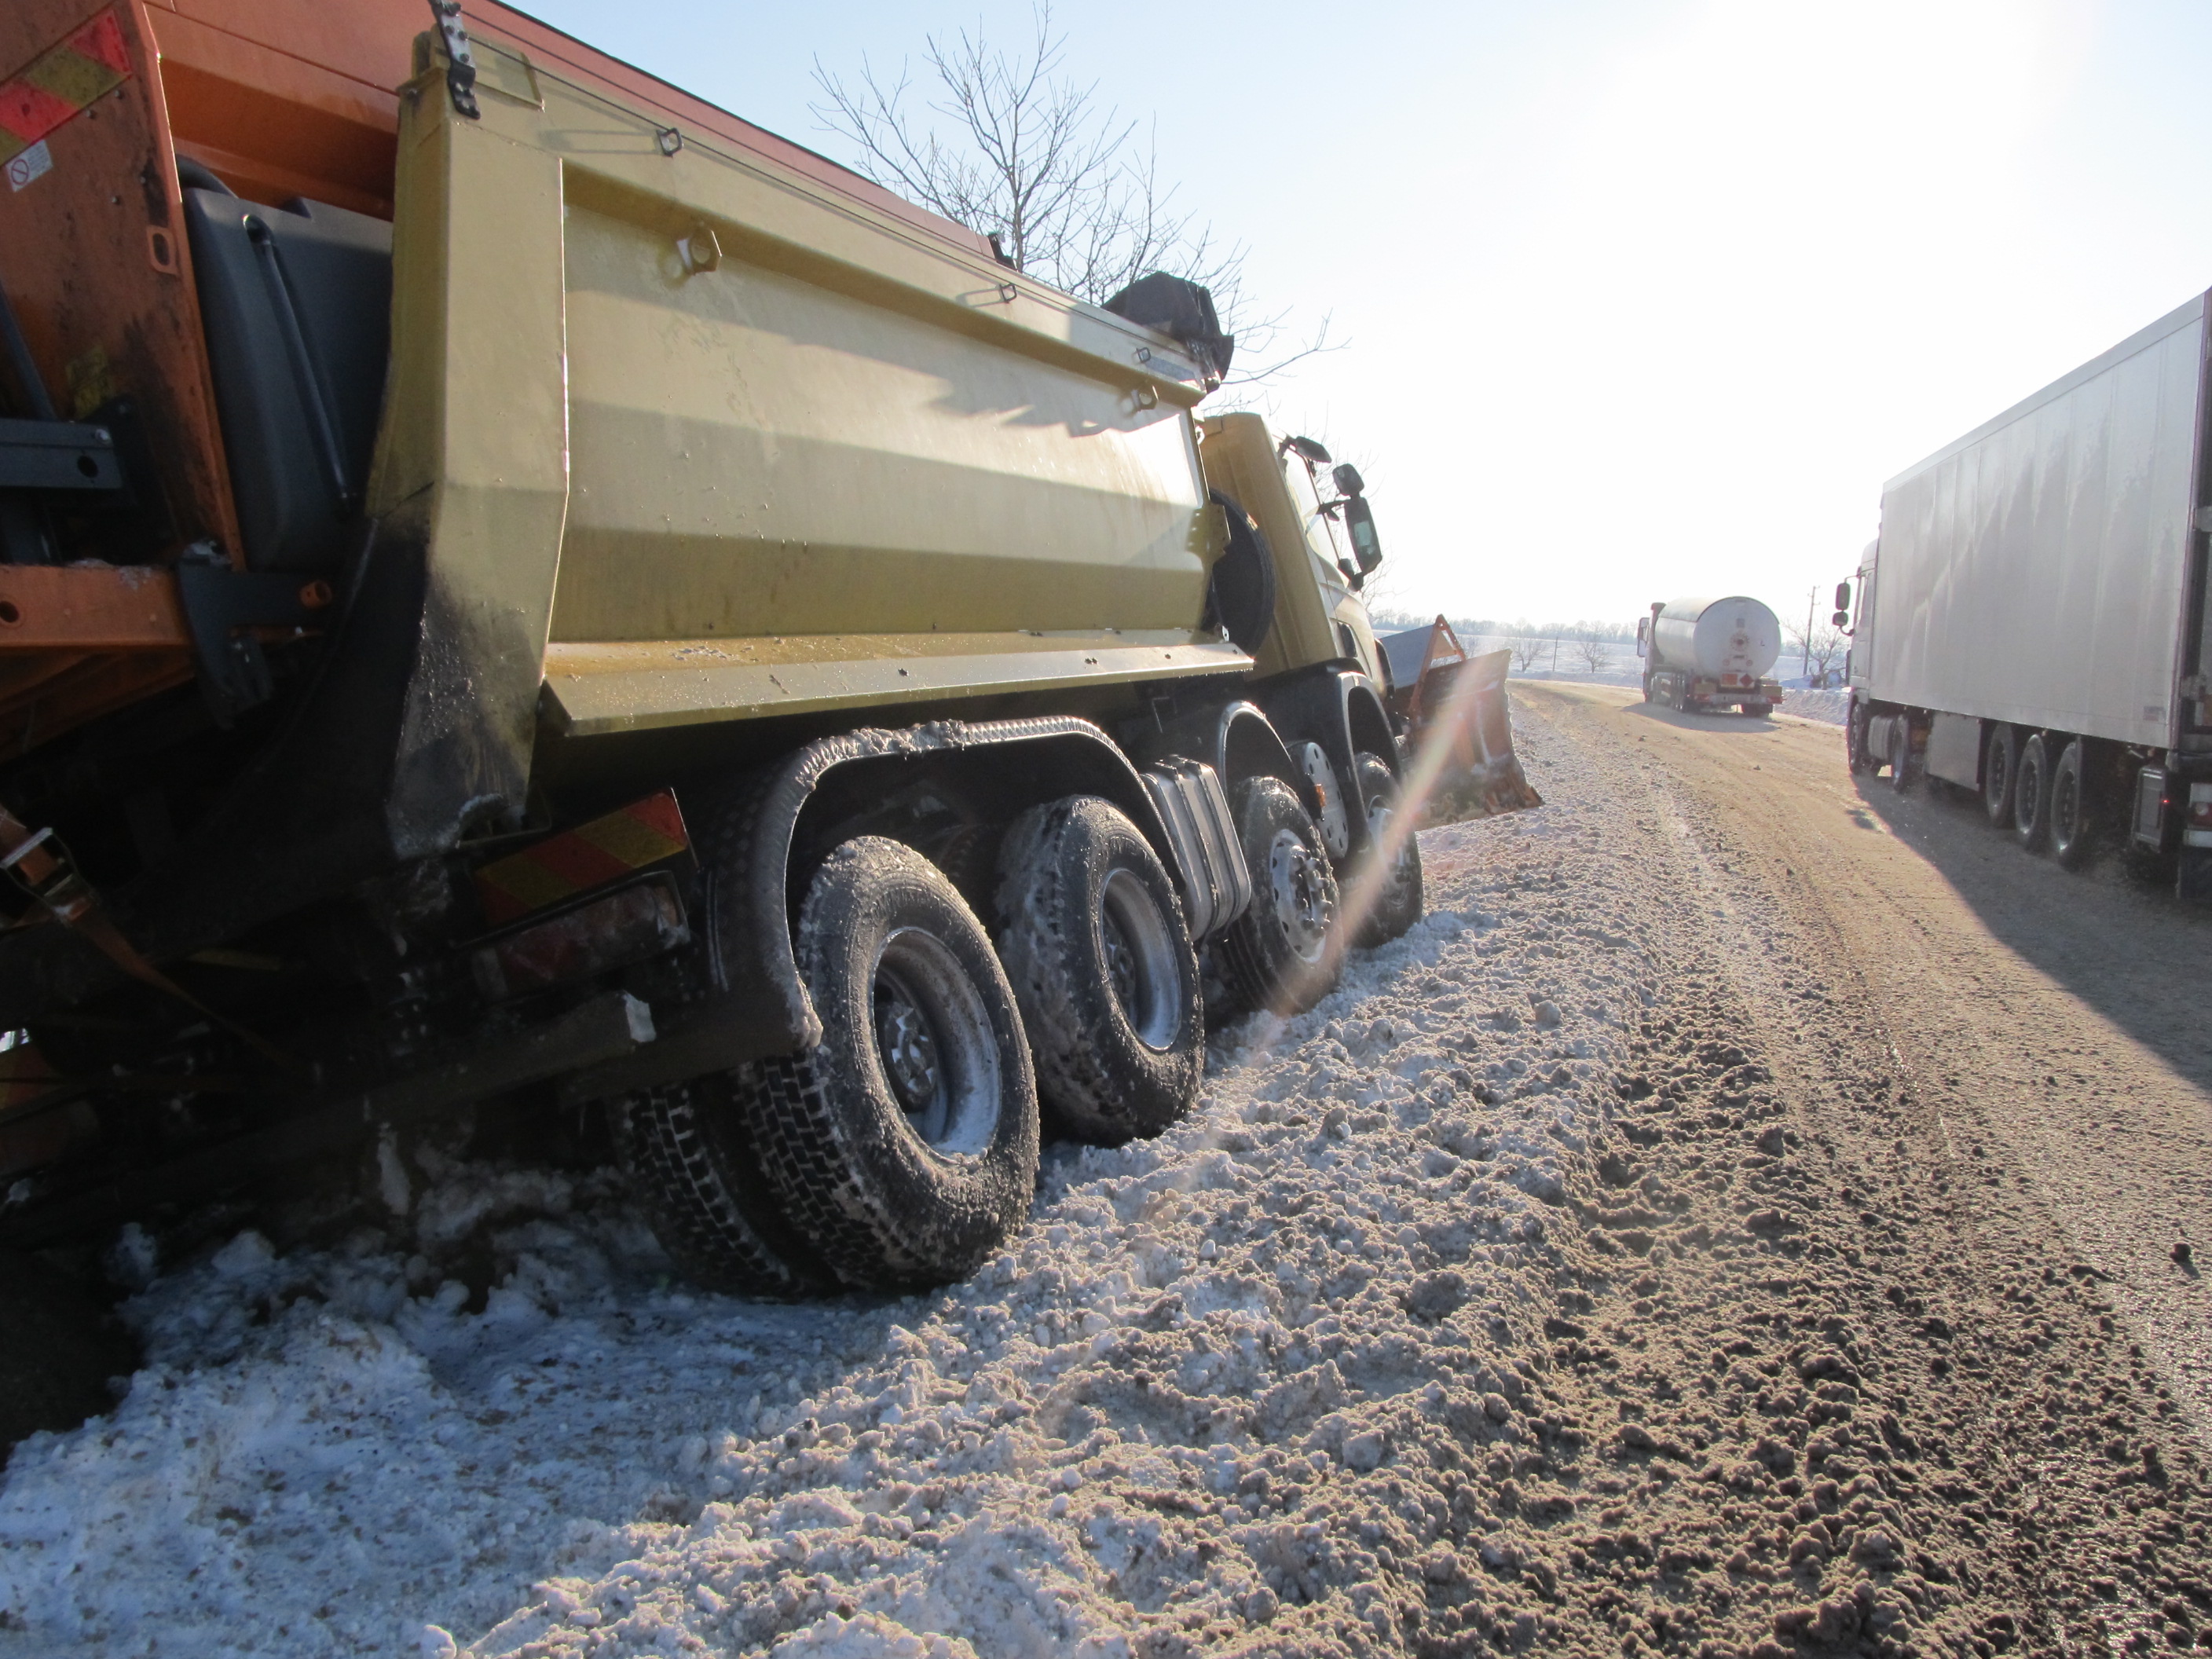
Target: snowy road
(1585, 1275)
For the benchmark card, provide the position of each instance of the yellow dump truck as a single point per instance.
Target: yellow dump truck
(520, 584)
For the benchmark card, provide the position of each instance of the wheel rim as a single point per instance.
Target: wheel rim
(2065, 796)
(934, 1044)
(2000, 772)
(2027, 786)
(1300, 896)
(1140, 959)
(1399, 883)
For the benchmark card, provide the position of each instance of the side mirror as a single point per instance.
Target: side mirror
(1643, 634)
(1348, 481)
(1359, 520)
(1843, 596)
(1352, 579)
(1308, 449)
(1841, 618)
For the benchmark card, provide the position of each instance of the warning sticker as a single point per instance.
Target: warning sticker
(92, 61)
(32, 164)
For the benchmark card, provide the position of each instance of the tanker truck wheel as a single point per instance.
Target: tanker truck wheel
(2070, 817)
(2031, 795)
(1092, 937)
(1757, 707)
(1278, 955)
(1395, 905)
(903, 1146)
(2000, 771)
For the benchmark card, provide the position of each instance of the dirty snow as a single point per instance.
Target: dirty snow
(1829, 707)
(1170, 1405)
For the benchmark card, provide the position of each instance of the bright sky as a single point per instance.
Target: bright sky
(1643, 297)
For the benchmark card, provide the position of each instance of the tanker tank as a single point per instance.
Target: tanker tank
(1700, 655)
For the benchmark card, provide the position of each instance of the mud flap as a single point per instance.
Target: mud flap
(1463, 763)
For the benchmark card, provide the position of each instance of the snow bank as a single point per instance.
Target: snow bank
(1825, 705)
(1221, 1391)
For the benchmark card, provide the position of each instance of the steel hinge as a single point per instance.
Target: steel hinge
(460, 62)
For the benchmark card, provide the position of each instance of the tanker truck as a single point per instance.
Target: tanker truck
(2030, 621)
(518, 586)
(1702, 655)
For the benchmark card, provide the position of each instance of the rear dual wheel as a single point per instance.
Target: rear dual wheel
(1093, 934)
(901, 1148)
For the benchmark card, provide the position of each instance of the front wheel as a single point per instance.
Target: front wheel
(1901, 753)
(904, 1145)
(1093, 939)
(2070, 817)
(1392, 899)
(1279, 955)
(1855, 738)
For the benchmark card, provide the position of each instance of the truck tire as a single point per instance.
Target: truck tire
(1397, 898)
(1279, 955)
(1758, 708)
(2000, 770)
(1901, 753)
(1855, 738)
(2031, 795)
(2071, 819)
(693, 1165)
(1092, 937)
(903, 1146)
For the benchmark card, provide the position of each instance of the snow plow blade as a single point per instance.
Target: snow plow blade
(1460, 730)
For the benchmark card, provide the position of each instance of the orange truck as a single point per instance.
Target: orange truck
(516, 585)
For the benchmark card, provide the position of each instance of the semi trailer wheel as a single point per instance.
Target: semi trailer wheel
(1901, 753)
(2070, 818)
(904, 1145)
(2000, 771)
(1395, 903)
(691, 1162)
(2031, 795)
(1757, 707)
(1092, 937)
(1278, 955)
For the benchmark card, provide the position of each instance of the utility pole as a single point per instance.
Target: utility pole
(1812, 603)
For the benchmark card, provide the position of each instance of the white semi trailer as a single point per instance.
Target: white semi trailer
(1702, 654)
(2032, 618)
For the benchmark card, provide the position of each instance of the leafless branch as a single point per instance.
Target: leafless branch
(1011, 147)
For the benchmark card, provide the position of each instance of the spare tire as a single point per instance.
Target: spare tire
(1240, 592)
(1092, 936)
(903, 1145)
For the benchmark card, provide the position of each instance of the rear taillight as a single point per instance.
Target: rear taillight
(2200, 806)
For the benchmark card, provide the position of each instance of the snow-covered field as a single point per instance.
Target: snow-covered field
(1216, 1396)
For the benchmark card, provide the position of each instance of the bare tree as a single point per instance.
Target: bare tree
(1818, 647)
(1593, 653)
(1061, 185)
(1527, 652)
